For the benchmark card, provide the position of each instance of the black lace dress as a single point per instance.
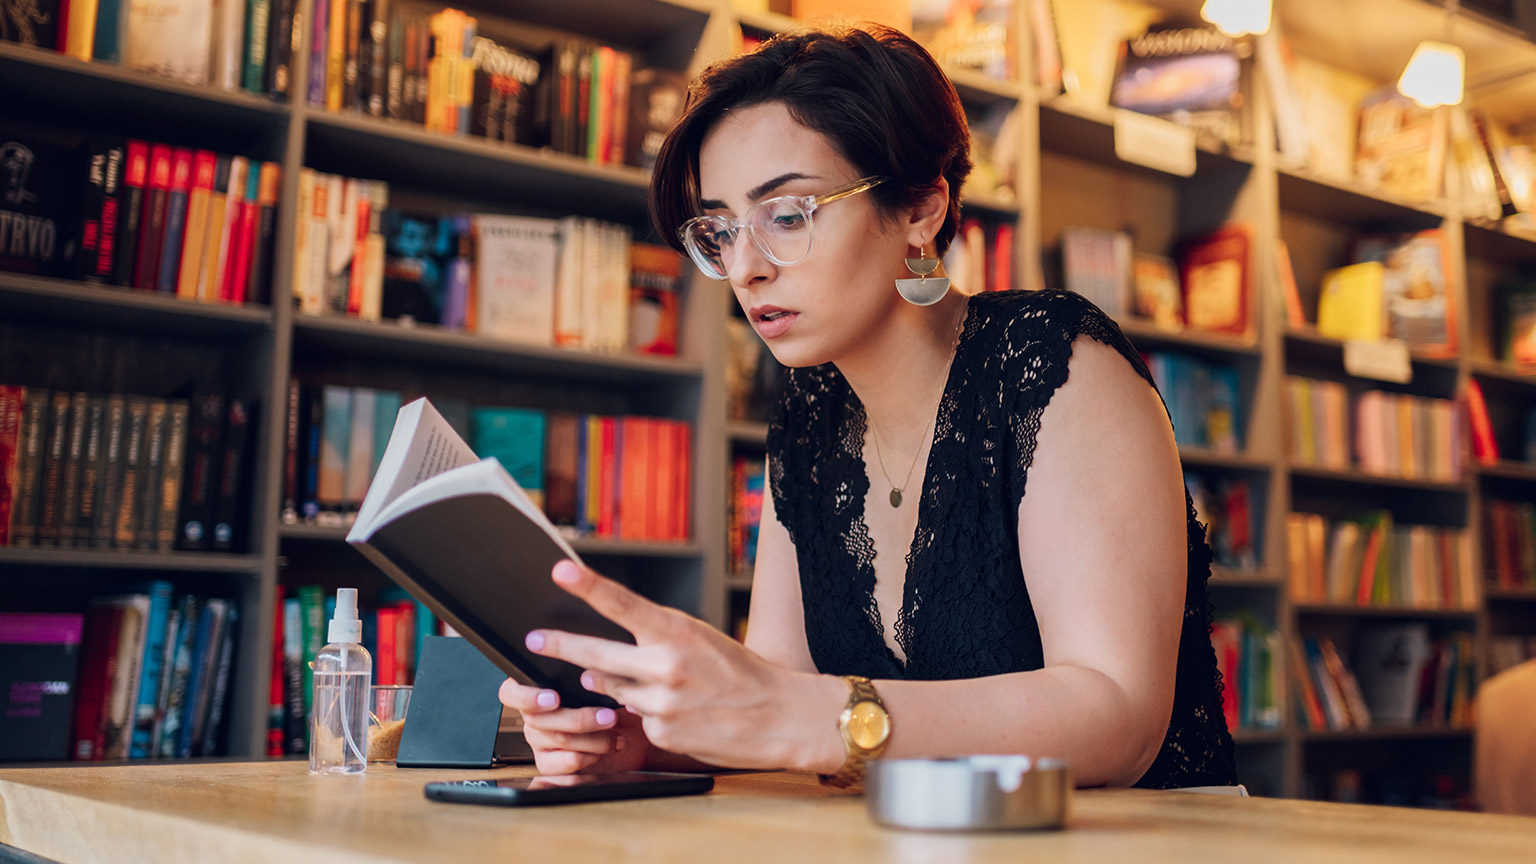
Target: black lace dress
(965, 610)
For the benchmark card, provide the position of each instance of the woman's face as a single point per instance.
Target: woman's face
(844, 287)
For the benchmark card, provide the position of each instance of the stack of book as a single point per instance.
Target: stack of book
(1394, 435)
(1400, 678)
(1204, 399)
(1369, 561)
(1225, 506)
(745, 511)
(1250, 658)
(1509, 544)
(123, 472)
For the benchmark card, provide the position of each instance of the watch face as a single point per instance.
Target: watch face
(868, 725)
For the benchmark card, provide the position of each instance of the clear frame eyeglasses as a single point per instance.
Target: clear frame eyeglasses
(779, 227)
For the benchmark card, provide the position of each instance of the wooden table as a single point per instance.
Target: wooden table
(275, 811)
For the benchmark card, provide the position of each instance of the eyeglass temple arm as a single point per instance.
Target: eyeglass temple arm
(858, 186)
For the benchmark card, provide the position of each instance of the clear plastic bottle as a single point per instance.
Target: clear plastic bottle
(338, 731)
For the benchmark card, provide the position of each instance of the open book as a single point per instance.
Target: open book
(462, 537)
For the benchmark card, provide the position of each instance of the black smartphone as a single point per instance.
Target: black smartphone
(569, 788)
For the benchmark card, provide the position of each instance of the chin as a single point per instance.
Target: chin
(798, 356)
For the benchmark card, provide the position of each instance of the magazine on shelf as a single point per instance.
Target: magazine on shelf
(463, 537)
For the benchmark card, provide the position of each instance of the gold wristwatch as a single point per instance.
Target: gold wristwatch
(865, 727)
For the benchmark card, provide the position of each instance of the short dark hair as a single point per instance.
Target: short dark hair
(878, 97)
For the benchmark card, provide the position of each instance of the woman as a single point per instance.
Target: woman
(909, 599)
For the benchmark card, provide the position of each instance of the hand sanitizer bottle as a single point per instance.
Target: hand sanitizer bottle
(338, 729)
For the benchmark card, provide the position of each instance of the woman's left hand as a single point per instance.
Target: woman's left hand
(698, 692)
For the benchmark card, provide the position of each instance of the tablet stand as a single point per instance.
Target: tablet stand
(454, 711)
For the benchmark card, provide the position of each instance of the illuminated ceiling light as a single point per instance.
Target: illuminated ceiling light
(1238, 17)
(1436, 75)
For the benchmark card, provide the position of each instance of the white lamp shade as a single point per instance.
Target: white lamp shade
(1238, 17)
(1435, 75)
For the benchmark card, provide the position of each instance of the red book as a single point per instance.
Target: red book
(1002, 259)
(607, 492)
(1215, 281)
(242, 239)
(275, 693)
(384, 664)
(152, 222)
(131, 208)
(1368, 566)
(359, 256)
(98, 659)
(664, 495)
(684, 479)
(1485, 448)
(632, 480)
(405, 638)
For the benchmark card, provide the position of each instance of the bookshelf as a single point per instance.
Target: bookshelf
(1067, 174)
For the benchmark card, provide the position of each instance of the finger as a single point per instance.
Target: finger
(611, 600)
(615, 686)
(527, 700)
(563, 761)
(596, 743)
(589, 652)
(572, 720)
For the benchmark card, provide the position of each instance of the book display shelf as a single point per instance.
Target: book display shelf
(1066, 174)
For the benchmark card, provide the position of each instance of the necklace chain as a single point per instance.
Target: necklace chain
(896, 491)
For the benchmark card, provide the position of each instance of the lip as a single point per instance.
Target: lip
(771, 329)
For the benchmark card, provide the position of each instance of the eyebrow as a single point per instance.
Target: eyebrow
(758, 191)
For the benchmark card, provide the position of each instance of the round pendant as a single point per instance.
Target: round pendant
(895, 497)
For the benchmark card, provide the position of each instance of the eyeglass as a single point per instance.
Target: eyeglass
(779, 227)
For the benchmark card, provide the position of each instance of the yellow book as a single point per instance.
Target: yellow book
(1350, 306)
(301, 248)
(336, 55)
(213, 232)
(80, 37)
(203, 173)
(1406, 463)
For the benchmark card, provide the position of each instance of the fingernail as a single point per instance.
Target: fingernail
(547, 699)
(605, 716)
(566, 573)
(586, 680)
(535, 641)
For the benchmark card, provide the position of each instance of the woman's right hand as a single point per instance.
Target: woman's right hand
(577, 740)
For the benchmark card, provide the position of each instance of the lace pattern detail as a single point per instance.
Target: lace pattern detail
(965, 609)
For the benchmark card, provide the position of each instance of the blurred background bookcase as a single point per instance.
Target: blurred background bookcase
(1064, 174)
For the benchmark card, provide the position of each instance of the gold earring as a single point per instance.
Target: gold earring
(927, 289)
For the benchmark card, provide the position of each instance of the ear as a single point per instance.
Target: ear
(927, 215)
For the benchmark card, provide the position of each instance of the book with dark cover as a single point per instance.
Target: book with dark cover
(257, 38)
(281, 37)
(130, 209)
(229, 523)
(51, 494)
(1196, 77)
(150, 476)
(502, 104)
(177, 689)
(74, 455)
(135, 433)
(355, 66)
(319, 35)
(39, 660)
(656, 98)
(157, 195)
(581, 118)
(93, 460)
(31, 448)
(290, 511)
(440, 522)
(35, 24)
(204, 432)
(375, 39)
(109, 479)
(204, 664)
(172, 471)
(394, 75)
(40, 173)
(211, 742)
(175, 220)
(259, 284)
(313, 429)
(10, 446)
(99, 210)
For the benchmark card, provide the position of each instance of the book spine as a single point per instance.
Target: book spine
(152, 221)
(312, 618)
(280, 41)
(214, 728)
(175, 221)
(290, 512)
(10, 441)
(110, 479)
(90, 472)
(31, 450)
(275, 688)
(175, 698)
(69, 481)
(335, 54)
(53, 471)
(99, 204)
(295, 729)
(204, 172)
(237, 284)
(228, 526)
(77, 36)
(134, 434)
(149, 677)
(110, 17)
(378, 57)
(204, 657)
(319, 44)
(264, 232)
(127, 666)
(151, 477)
(167, 667)
(334, 444)
(258, 28)
(94, 680)
(196, 515)
(131, 213)
(353, 59)
(172, 471)
(394, 86)
(209, 264)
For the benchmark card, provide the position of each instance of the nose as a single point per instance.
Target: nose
(745, 264)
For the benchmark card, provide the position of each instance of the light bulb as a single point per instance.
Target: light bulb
(1238, 17)
(1435, 75)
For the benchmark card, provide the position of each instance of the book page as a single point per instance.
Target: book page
(421, 446)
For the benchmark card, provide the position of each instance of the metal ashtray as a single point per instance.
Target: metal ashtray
(973, 793)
